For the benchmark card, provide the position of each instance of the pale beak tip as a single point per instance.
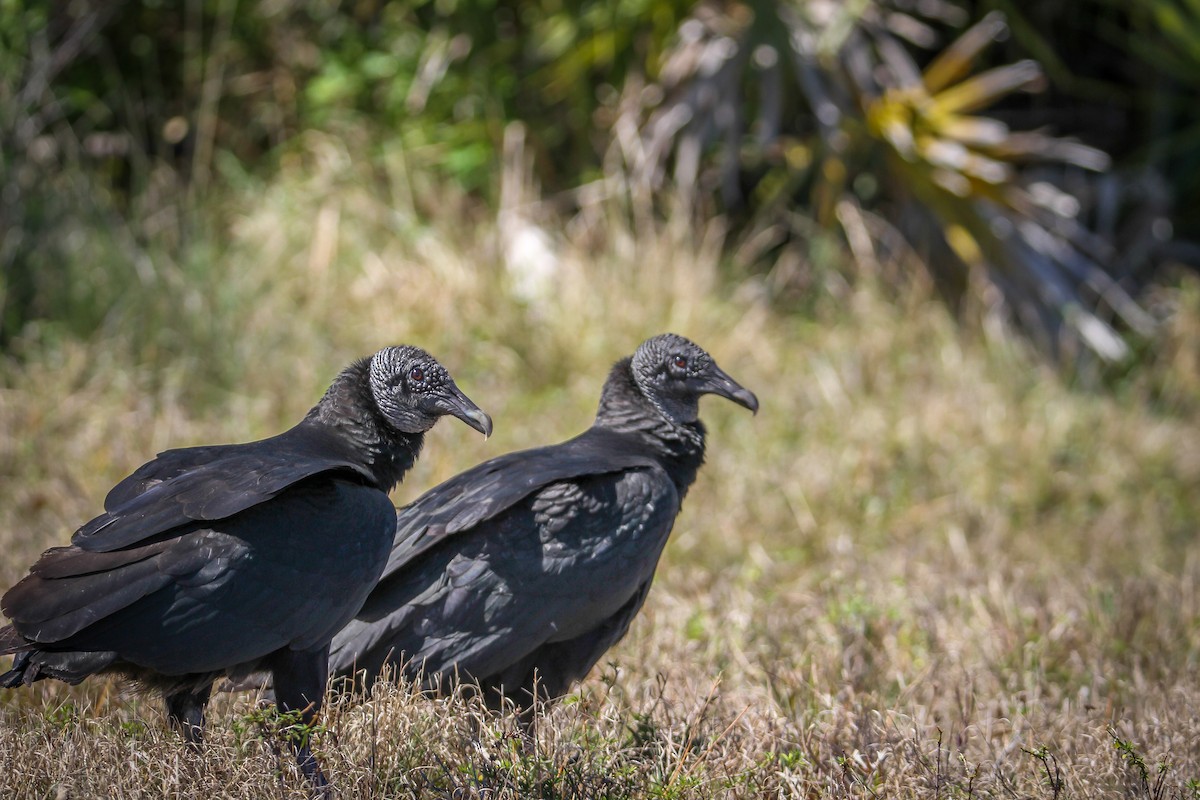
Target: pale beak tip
(483, 423)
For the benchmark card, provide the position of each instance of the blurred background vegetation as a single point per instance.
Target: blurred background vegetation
(916, 228)
(1039, 164)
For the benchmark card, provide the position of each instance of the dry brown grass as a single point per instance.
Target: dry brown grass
(927, 568)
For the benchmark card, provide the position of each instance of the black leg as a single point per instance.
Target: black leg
(299, 680)
(186, 712)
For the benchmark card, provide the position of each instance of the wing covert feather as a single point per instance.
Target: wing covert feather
(554, 567)
(211, 483)
(491, 488)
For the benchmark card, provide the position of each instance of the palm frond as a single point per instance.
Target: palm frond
(808, 99)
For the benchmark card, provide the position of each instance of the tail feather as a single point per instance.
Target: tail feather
(17, 676)
(13, 642)
(72, 666)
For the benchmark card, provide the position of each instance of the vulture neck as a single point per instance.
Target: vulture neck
(624, 408)
(348, 410)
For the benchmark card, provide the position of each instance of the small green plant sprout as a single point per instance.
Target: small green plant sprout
(276, 728)
(1054, 777)
(1152, 789)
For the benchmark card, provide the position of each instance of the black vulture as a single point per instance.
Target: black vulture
(225, 559)
(520, 573)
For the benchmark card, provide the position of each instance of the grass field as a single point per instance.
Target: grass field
(930, 567)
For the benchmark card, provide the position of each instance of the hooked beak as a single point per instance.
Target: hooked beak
(459, 405)
(719, 383)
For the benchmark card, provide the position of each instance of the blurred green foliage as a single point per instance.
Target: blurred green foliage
(446, 76)
(116, 120)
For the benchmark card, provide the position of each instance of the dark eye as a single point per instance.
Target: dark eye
(680, 362)
(416, 375)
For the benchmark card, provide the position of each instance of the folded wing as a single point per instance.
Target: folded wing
(210, 483)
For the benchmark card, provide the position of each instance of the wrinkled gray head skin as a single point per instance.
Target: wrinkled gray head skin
(673, 373)
(412, 390)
